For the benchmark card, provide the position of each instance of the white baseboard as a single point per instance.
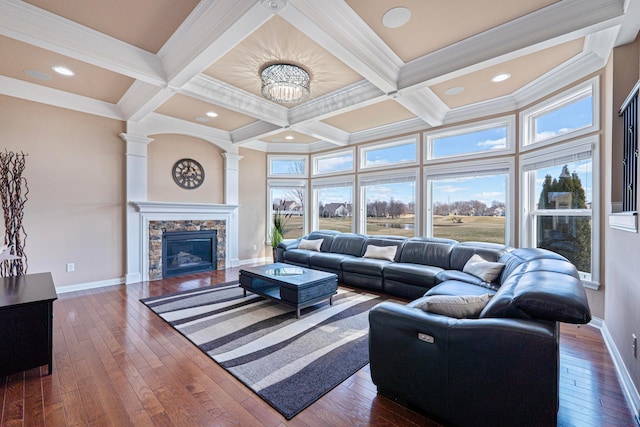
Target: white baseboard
(89, 285)
(626, 382)
(255, 261)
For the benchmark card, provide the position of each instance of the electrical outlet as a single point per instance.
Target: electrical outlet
(634, 345)
(255, 247)
(71, 267)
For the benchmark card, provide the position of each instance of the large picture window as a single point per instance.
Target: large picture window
(288, 198)
(470, 202)
(388, 204)
(333, 204)
(558, 194)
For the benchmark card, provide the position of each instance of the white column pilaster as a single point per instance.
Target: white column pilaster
(136, 190)
(232, 197)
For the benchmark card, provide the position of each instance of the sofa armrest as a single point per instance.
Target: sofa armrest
(466, 371)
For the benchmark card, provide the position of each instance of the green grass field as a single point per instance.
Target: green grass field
(472, 228)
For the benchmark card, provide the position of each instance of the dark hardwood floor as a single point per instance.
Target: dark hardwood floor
(116, 364)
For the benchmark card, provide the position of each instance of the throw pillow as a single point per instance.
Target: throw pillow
(311, 245)
(381, 252)
(458, 306)
(485, 270)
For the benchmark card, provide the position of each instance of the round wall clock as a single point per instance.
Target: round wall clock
(188, 173)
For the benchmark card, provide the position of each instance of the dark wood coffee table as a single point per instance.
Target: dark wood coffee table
(290, 285)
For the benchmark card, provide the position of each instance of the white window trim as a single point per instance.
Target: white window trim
(528, 117)
(481, 167)
(508, 121)
(527, 191)
(338, 182)
(287, 183)
(272, 157)
(365, 178)
(315, 158)
(363, 149)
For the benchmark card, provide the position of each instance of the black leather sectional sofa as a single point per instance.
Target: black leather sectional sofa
(498, 367)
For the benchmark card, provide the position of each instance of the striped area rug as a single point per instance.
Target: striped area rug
(288, 362)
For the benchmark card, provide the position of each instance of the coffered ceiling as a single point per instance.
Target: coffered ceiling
(171, 62)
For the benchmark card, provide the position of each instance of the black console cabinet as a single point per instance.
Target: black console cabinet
(26, 322)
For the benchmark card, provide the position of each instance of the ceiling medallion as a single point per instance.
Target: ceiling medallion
(285, 83)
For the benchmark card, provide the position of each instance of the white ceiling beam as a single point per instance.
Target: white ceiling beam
(214, 91)
(21, 21)
(323, 132)
(46, 95)
(424, 104)
(254, 131)
(337, 28)
(575, 17)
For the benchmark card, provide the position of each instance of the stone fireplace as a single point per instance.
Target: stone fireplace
(154, 218)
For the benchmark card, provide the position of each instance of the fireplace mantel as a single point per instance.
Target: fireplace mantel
(147, 211)
(171, 207)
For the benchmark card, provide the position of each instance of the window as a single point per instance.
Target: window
(487, 138)
(388, 204)
(558, 194)
(340, 161)
(287, 166)
(572, 113)
(470, 202)
(333, 204)
(289, 198)
(402, 152)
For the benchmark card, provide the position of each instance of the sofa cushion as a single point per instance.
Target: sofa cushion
(483, 269)
(413, 274)
(381, 252)
(427, 251)
(348, 244)
(327, 260)
(297, 256)
(458, 306)
(456, 287)
(312, 245)
(445, 275)
(366, 266)
(461, 253)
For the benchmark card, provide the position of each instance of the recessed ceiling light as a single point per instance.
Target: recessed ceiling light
(289, 137)
(500, 77)
(37, 74)
(201, 119)
(396, 17)
(63, 70)
(454, 90)
(212, 114)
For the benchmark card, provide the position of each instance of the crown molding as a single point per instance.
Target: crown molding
(388, 131)
(58, 98)
(24, 22)
(336, 27)
(155, 124)
(568, 18)
(216, 92)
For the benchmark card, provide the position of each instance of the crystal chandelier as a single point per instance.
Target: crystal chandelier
(285, 83)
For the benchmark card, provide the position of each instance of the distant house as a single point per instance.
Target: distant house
(332, 210)
(499, 211)
(288, 206)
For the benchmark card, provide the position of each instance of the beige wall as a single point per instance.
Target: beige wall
(164, 151)
(622, 302)
(75, 172)
(253, 205)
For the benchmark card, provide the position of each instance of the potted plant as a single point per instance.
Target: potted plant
(280, 220)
